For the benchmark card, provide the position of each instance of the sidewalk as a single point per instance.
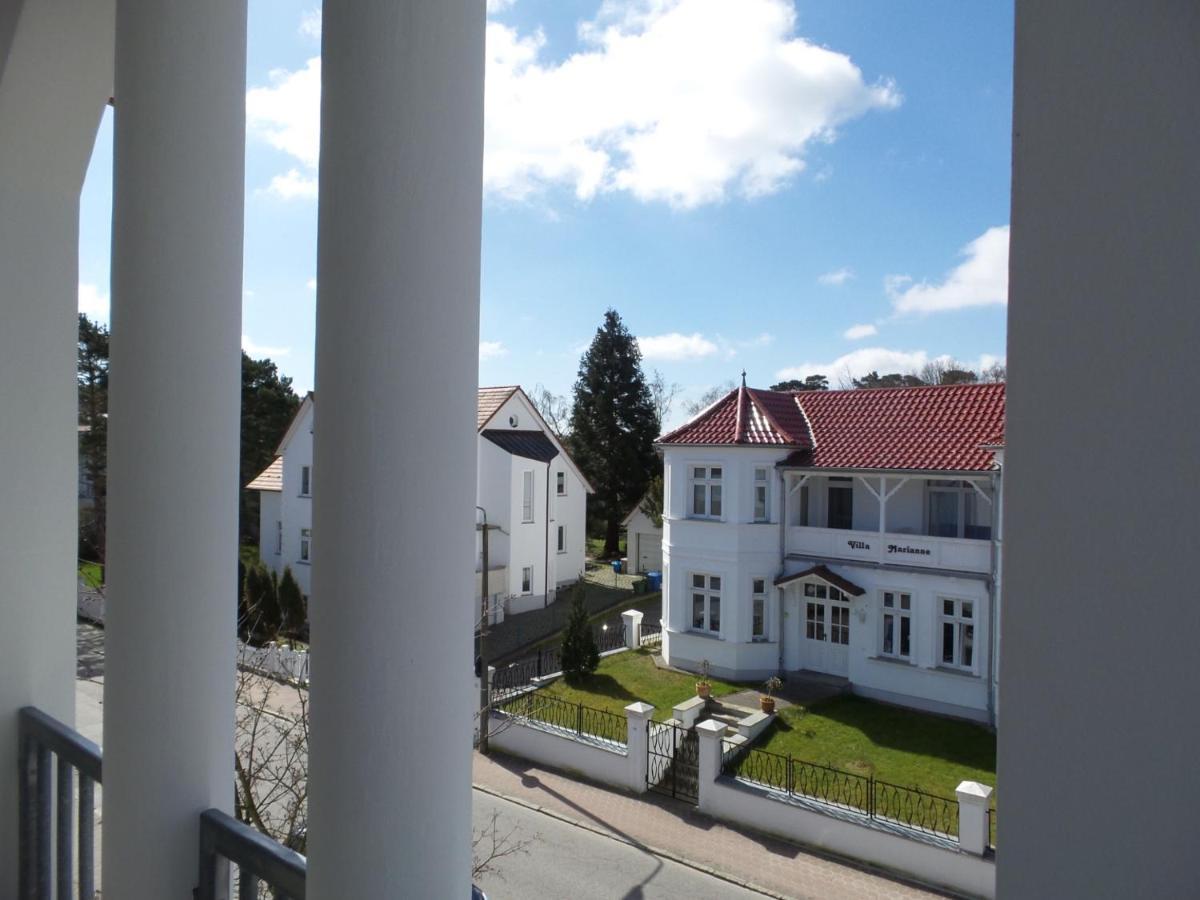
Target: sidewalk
(678, 831)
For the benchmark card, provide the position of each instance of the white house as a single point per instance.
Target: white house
(643, 542)
(532, 493)
(852, 533)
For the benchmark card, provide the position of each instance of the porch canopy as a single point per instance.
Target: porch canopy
(825, 574)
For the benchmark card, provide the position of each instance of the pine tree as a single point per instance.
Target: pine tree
(268, 407)
(580, 656)
(261, 603)
(291, 604)
(613, 426)
(92, 377)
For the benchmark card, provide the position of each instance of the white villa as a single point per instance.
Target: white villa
(852, 533)
(534, 496)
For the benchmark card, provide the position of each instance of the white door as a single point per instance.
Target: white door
(825, 630)
(649, 552)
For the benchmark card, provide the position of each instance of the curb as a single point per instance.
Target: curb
(650, 848)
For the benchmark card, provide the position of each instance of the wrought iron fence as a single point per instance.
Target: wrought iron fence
(610, 638)
(881, 800)
(519, 674)
(585, 721)
(651, 635)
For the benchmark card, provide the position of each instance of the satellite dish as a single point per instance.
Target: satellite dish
(513, 421)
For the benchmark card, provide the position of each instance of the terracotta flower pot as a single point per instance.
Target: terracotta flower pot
(703, 689)
(767, 704)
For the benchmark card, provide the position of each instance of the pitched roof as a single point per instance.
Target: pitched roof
(828, 576)
(937, 428)
(527, 444)
(270, 478)
(490, 400)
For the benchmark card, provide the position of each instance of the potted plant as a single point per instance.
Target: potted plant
(703, 688)
(767, 701)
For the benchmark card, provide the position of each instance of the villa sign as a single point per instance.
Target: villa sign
(858, 545)
(914, 551)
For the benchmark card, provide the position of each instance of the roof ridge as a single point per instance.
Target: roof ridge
(702, 416)
(766, 413)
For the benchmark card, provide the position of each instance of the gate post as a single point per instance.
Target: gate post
(710, 733)
(637, 715)
(633, 628)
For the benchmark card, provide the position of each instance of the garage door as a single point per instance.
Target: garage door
(649, 552)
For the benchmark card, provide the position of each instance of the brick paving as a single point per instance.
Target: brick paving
(679, 831)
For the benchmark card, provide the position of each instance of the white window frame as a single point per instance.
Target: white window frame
(305, 545)
(962, 490)
(707, 586)
(758, 597)
(764, 485)
(708, 484)
(527, 491)
(562, 539)
(526, 580)
(962, 619)
(306, 481)
(828, 598)
(560, 484)
(899, 613)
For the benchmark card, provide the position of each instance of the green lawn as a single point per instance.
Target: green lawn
(904, 747)
(595, 548)
(91, 574)
(625, 677)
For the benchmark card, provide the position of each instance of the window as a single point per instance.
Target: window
(814, 621)
(839, 624)
(762, 495)
(897, 625)
(706, 603)
(758, 609)
(305, 481)
(527, 496)
(822, 592)
(278, 537)
(527, 580)
(957, 511)
(561, 483)
(958, 633)
(305, 544)
(841, 503)
(562, 538)
(706, 492)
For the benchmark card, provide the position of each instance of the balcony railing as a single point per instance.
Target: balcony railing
(923, 551)
(46, 864)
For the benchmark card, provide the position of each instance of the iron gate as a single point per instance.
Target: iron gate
(673, 761)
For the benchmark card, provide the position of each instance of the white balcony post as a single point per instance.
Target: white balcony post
(711, 734)
(633, 628)
(973, 799)
(637, 719)
(395, 446)
(174, 394)
(55, 76)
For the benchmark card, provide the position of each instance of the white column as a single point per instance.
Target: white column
(973, 799)
(179, 146)
(55, 76)
(711, 732)
(637, 718)
(632, 619)
(395, 443)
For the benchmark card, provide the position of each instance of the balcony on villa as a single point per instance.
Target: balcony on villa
(924, 521)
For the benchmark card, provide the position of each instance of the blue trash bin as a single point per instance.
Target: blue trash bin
(654, 581)
(616, 564)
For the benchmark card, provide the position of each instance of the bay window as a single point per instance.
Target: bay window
(762, 494)
(706, 491)
(706, 603)
(758, 609)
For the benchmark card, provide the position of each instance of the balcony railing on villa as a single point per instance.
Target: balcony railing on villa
(48, 807)
(923, 551)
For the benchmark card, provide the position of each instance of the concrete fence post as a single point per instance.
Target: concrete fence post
(633, 628)
(973, 801)
(637, 717)
(711, 733)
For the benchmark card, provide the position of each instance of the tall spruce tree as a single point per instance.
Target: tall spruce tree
(613, 426)
(580, 655)
(92, 376)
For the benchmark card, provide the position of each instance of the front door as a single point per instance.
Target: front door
(825, 630)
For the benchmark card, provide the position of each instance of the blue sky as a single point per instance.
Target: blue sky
(785, 188)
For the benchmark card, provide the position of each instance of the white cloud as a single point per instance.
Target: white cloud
(310, 24)
(678, 101)
(93, 303)
(311, 284)
(859, 363)
(495, 6)
(259, 351)
(837, 277)
(858, 332)
(293, 184)
(981, 279)
(491, 350)
(675, 347)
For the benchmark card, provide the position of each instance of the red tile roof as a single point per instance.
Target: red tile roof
(941, 428)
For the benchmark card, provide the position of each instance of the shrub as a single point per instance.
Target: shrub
(580, 656)
(292, 605)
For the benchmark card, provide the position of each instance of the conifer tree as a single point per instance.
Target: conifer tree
(613, 426)
(580, 656)
(292, 607)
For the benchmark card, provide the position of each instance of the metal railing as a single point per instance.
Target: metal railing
(42, 737)
(46, 864)
(651, 635)
(880, 800)
(610, 638)
(519, 674)
(584, 721)
(225, 840)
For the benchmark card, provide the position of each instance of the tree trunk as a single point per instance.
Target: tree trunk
(612, 538)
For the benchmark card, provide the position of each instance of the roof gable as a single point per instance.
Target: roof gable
(306, 406)
(490, 401)
(270, 478)
(746, 416)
